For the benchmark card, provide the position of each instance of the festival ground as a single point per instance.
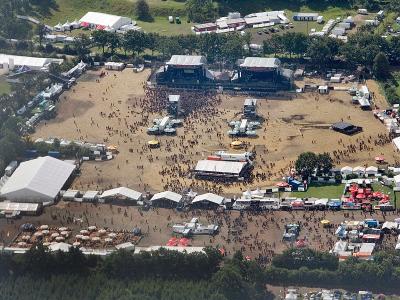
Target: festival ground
(116, 109)
(258, 235)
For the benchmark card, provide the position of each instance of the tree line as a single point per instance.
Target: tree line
(161, 274)
(313, 268)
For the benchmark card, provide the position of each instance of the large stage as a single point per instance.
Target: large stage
(253, 74)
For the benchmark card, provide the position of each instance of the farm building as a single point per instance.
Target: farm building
(206, 27)
(37, 180)
(103, 21)
(12, 62)
(305, 16)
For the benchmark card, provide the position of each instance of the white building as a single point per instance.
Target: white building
(104, 21)
(37, 180)
(34, 63)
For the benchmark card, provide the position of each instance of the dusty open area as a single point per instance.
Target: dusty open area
(115, 109)
(257, 235)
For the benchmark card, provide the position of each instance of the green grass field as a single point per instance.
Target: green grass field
(75, 9)
(318, 190)
(5, 87)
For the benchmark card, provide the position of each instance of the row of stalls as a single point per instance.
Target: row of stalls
(97, 152)
(235, 22)
(361, 238)
(250, 200)
(42, 106)
(390, 118)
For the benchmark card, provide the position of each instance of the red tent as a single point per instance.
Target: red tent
(184, 242)
(100, 27)
(300, 244)
(282, 184)
(360, 196)
(172, 242)
(380, 158)
(85, 24)
(377, 194)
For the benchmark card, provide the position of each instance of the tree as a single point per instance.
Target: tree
(100, 38)
(322, 51)
(143, 11)
(40, 31)
(113, 42)
(306, 163)
(200, 10)
(381, 66)
(325, 162)
(81, 45)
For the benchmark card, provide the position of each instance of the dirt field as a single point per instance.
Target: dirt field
(115, 110)
(259, 236)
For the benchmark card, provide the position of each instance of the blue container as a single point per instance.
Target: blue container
(31, 153)
(54, 154)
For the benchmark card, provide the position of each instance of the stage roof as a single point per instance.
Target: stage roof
(261, 62)
(187, 60)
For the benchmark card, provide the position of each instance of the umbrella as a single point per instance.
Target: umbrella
(360, 191)
(360, 196)
(377, 194)
(282, 184)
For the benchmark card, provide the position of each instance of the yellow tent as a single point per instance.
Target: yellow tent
(237, 144)
(153, 143)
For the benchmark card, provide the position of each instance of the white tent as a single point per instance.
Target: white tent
(397, 180)
(396, 143)
(64, 247)
(37, 180)
(122, 192)
(346, 170)
(371, 170)
(105, 20)
(208, 197)
(359, 170)
(33, 63)
(167, 195)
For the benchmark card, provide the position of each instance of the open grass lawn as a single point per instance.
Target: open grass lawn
(75, 9)
(162, 26)
(5, 87)
(318, 190)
